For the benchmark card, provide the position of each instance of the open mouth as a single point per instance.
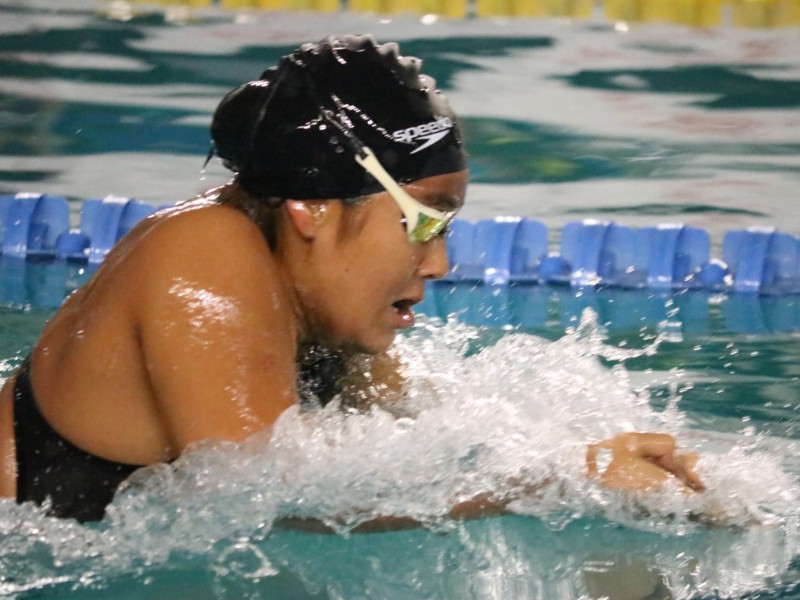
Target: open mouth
(404, 312)
(405, 304)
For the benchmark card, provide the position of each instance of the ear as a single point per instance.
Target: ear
(306, 216)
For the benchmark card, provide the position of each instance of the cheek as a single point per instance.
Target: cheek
(384, 256)
(376, 258)
(391, 267)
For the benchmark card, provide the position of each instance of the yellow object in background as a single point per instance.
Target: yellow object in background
(402, 7)
(313, 5)
(275, 4)
(384, 7)
(323, 5)
(699, 13)
(623, 10)
(187, 3)
(766, 13)
(754, 13)
(576, 9)
(373, 6)
(316, 5)
(447, 8)
(791, 13)
(455, 9)
(236, 4)
(511, 8)
(695, 13)
(657, 11)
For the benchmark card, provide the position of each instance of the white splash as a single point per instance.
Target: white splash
(481, 418)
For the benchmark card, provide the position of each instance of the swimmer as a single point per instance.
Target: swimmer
(211, 318)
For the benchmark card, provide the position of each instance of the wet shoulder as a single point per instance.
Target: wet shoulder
(187, 235)
(212, 245)
(203, 221)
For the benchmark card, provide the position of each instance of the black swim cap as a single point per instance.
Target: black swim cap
(289, 134)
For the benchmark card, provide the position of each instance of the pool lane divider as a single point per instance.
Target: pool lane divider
(593, 253)
(37, 226)
(503, 251)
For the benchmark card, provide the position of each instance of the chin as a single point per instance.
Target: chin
(375, 345)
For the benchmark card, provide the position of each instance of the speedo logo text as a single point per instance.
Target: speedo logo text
(430, 132)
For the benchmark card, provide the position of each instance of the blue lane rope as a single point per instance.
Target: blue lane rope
(492, 252)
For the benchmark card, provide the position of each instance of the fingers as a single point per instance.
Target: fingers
(682, 467)
(689, 476)
(643, 462)
(654, 445)
(591, 458)
(637, 475)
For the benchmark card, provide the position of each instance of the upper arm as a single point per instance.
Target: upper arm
(216, 331)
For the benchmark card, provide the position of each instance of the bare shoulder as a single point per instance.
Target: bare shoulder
(209, 243)
(202, 225)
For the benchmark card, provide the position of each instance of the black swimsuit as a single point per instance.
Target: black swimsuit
(80, 485)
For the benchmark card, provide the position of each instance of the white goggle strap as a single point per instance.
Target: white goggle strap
(410, 207)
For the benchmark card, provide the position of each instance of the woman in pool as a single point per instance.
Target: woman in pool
(211, 318)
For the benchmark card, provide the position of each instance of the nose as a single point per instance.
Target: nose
(433, 262)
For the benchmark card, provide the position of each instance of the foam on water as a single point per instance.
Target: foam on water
(494, 416)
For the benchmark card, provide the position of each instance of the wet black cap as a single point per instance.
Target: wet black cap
(291, 133)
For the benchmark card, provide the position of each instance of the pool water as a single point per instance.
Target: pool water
(506, 385)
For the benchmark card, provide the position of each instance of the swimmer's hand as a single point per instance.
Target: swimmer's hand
(643, 462)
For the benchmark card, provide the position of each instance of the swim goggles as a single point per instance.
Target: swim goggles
(422, 222)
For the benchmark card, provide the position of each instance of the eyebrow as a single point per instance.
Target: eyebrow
(444, 202)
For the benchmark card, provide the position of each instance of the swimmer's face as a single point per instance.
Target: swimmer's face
(375, 274)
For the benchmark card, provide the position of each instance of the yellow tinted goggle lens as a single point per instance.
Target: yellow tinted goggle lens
(426, 228)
